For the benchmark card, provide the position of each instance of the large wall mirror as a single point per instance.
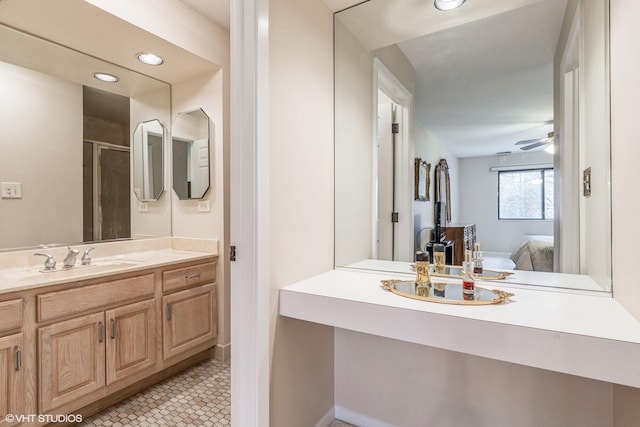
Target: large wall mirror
(515, 97)
(190, 140)
(66, 140)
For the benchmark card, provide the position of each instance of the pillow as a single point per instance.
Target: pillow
(541, 255)
(522, 258)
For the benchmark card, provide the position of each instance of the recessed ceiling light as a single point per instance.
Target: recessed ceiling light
(150, 58)
(109, 78)
(448, 4)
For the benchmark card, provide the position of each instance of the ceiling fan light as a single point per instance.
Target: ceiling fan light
(448, 4)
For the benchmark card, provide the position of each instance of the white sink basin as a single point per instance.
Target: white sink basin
(78, 271)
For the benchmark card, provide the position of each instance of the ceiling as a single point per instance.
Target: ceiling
(485, 85)
(484, 73)
(217, 11)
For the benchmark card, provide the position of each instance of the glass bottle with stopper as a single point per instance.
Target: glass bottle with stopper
(477, 259)
(423, 279)
(468, 282)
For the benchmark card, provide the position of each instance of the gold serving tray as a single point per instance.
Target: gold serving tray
(445, 293)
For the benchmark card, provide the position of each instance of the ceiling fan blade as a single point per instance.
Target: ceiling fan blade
(537, 144)
(531, 141)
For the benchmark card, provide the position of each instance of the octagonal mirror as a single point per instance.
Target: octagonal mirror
(190, 137)
(148, 160)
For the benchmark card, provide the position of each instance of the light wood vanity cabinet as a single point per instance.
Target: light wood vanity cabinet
(71, 360)
(190, 319)
(11, 377)
(12, 374)
(131, 339)
(190, 309)
(98, 338)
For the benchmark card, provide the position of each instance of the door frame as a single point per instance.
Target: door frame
(386, 81)
(249, 207)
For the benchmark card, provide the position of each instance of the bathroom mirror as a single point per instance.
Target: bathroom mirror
(190, 140)
(482, 86)
(62, 131)
(148, 160)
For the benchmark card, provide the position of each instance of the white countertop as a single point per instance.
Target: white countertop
(586, 335)
(116, 260)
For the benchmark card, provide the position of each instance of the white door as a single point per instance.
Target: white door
(199, 167)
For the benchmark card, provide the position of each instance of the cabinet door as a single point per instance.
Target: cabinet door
(190, 319)
(131, 339)
(71, 360)
(11, 377)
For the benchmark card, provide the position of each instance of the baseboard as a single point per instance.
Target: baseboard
(358, 419)
(222, 352)
(326, 419)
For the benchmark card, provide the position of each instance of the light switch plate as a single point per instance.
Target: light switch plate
(203, 206)
(143, 207)
(11, 190)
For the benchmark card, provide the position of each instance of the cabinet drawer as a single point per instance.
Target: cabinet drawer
(187, 277)
(10, 315)
(89, 298)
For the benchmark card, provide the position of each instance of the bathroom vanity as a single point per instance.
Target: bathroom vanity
(74, 341)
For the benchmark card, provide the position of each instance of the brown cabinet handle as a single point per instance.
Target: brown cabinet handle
(169, 310)
(192, 276)
(113, 329)
(100, 332)
(18, 358)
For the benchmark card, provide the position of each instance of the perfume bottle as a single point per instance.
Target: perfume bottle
(468, 282)
(477, 259)
(423, 280)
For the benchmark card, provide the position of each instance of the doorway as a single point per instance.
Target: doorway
(392, 218)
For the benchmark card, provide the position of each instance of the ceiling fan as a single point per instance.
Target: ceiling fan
(534, 143)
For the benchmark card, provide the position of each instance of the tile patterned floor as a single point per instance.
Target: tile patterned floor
(197, 397)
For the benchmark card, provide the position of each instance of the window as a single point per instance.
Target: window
(525, 194)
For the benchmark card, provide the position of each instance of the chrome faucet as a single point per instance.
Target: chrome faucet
(86, 258)
(70, 259)
(50, 263)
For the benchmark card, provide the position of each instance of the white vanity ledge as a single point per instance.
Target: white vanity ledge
(585, 335)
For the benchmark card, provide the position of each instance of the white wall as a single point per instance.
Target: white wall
(593, 212)
(431, 149)
(156, 220)
(479, 202)
(40, 147)
(353, 149)
(209, 93)
(408, 385)
(301, 202)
